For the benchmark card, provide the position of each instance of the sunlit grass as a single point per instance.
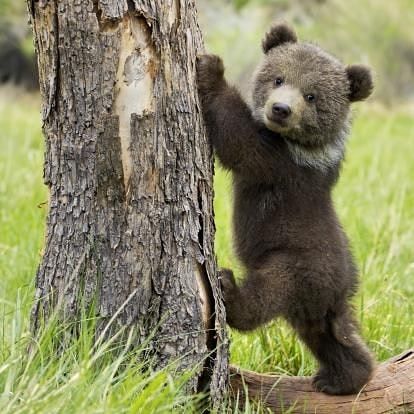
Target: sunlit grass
(22, 213)
(83, 376)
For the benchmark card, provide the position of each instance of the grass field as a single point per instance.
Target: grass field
(375, 199)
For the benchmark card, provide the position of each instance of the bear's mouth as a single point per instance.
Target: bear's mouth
(275, 124)
(278, 121)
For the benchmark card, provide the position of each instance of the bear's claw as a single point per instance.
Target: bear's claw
(227, 282)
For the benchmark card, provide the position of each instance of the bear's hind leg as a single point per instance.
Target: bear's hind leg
(346, 364)
(249, 305)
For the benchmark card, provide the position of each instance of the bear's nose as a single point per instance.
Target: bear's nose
(281, 110)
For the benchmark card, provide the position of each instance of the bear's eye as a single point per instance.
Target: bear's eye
(278, 81)
(309, 97)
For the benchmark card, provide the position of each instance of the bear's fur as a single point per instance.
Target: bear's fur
(285, 156)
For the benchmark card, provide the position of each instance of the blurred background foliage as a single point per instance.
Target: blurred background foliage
(13, 19)
(17, 60)
(375, 32)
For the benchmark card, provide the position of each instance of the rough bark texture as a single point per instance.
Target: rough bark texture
(130, 229)
(391, 390)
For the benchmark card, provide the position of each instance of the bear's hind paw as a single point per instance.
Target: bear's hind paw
(340, 383)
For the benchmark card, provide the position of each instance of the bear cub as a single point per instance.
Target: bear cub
(285, 155)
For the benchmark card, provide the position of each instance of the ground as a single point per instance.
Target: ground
(375, 200)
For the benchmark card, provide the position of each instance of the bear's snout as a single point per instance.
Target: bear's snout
(281, 111)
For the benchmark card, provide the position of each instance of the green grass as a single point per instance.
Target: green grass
(375, 199)
(82, 379)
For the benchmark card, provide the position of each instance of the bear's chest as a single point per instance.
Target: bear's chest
(258, 203)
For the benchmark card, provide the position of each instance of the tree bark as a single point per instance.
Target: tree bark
(391, 390)
(130, 226)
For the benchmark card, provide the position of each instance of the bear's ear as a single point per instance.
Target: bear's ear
(277, 35)
(360, 82)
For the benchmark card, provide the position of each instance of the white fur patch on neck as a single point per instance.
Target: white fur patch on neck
(330, 155)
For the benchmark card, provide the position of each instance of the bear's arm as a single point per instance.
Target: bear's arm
(235, 136)
(230, 125)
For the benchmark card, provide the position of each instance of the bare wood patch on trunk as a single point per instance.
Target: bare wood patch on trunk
(134, 81)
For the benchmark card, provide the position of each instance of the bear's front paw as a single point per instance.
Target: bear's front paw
(210, 71)
(228, 284)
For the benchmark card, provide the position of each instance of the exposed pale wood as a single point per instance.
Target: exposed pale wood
(130, 227)
(391, 390)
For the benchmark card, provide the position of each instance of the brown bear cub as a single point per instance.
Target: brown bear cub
(285, 155)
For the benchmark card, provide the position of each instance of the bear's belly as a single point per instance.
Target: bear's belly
(258, 227)
(270, 221)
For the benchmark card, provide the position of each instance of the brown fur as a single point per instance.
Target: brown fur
(287, 234)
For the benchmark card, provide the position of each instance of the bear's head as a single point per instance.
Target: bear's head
(304, 94)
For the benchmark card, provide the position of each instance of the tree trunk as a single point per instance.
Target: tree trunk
(130, 226)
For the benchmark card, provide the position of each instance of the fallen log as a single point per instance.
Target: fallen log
(391, 390)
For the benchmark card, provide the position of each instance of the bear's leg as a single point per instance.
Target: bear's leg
(345, 362)
(249, 305)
